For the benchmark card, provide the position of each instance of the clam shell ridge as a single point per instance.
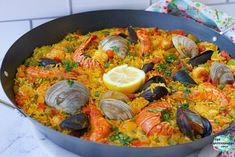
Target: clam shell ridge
(116, 43)
(67, 97)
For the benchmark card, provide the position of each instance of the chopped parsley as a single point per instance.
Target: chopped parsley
(162, 67)
(68, 49)
(167, 73)
(146, 55)
(184, 68)
(170, 58)
(165, 115)
(131, 53)
(155, 110)
(107, 64)
(186, 91)
(70, 82)
(87, 55)
(97, 93)
(120, 137)
(68, 65)
(185, 105)
(115, 48)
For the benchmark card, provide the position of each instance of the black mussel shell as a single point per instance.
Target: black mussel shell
(147, 67)
(76, 122)
(46, 61)
(132, 35)
(183, 77)
(154, 94)
(192, 124)
(201, 59)
(122, 35)
(155, 79)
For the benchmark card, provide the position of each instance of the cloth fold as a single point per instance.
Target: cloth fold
(199, 12)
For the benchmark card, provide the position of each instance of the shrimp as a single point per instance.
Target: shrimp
(38, 72)
(78, 55)
(205, 93)
(150, 121)
(145, 42)
(100, 127)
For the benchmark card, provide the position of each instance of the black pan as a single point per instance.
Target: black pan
(55, 30)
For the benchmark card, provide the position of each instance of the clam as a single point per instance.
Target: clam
(183, 77)
(132, 35)
(185, 46)
(116, 43)
(75, 122)
(147, 67)
(68, 96)
(201, 59)
(192, 124)
(221, 73)
(116, 109)
(46, 61)
(155, 79)
(115, 95)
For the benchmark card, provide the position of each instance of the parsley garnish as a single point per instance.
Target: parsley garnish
(68, 49)
(107, 64)
(120, 137)
(87, 55)
(162, 67)
(170, 58)
(115, 48)
(185, 105)
(165, 115)
(184, 68)
(186, 92)
(97, 93)
(167, 73)
(70, 82)
(68, 65)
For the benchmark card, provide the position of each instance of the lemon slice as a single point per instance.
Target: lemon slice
(124, 78)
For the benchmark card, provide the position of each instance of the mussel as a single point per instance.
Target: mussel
(183, 77)
(46, 61)
(147, 67)
(201, 59)
(114, 105)
(185, 46)
(221, 73)
(116, 43)
(132, 35)
(155, 79)
(154, 93)
(68, 96)
(192, 124)
(123, 35)
(76, 122)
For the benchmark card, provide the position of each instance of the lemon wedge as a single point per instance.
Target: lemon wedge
(124, 78)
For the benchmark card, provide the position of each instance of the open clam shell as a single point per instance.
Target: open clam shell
(116, 109)
(185, 46)
(115, 95)
(68, 97)
(116, 43)
(221, 73)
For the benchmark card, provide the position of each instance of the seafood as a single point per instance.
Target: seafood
(116, 43)
(221, 74)
(122, 35)
(38, 72)
(192, 124)
(66, 96)
(116, 109)
(149, 119)
(132, 35)
(76, 122)
(84, 60)
(46, 61)
(183, 77)
(100, 127)
(201, 59)
(145, 42)
(114, 106)
(155, 79)
(147, 67)
(185, 46)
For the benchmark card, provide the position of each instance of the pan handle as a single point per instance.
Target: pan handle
(10, 106)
